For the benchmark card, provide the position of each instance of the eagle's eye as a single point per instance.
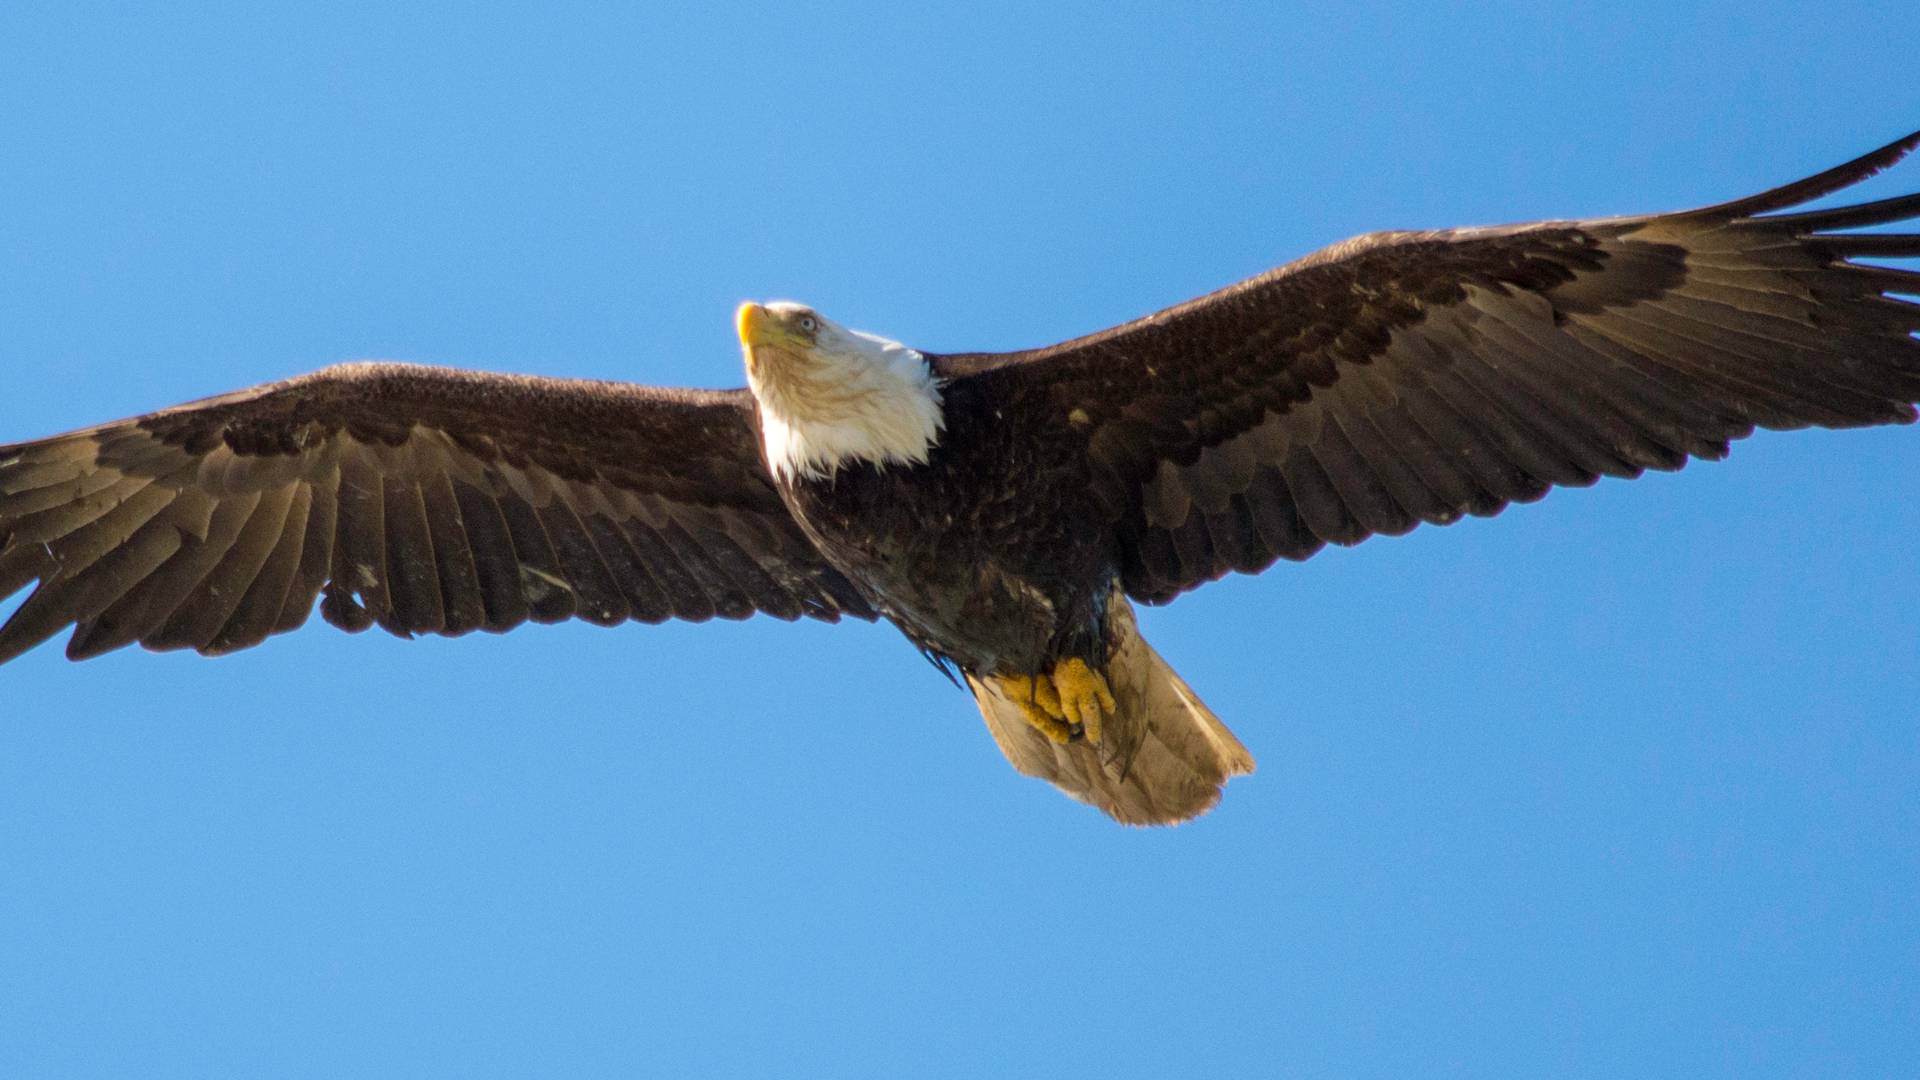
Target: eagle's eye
(809, 324)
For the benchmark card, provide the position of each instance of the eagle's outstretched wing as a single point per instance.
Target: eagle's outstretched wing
(424, 500)
(1419, 376)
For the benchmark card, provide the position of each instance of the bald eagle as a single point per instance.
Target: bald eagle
(1003, 510)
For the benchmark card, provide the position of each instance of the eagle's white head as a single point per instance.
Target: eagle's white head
(831, 397)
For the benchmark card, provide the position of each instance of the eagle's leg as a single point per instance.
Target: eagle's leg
(1085, 699)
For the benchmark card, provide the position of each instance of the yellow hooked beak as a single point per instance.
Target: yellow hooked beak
(759, 326)
(756, 325)
(762, 329)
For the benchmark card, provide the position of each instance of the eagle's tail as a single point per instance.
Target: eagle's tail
(1163, 756)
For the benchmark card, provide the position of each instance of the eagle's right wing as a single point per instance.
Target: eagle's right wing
(424, 500)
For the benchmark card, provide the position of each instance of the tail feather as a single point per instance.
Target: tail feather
(1163, 756)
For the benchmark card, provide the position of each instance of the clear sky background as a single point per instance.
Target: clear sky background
(1623, 783)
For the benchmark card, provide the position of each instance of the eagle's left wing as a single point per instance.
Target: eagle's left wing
(1408, 377)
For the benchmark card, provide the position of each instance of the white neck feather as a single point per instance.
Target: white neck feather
(854, 398)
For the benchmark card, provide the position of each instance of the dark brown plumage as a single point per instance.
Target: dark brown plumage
(1394, 379)
(419, 499)
(1421, 376)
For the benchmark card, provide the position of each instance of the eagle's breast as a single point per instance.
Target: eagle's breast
(984, 553)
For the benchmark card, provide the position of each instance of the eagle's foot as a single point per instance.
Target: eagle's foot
(1084, 697)
(1039, 705)
(1069, 703)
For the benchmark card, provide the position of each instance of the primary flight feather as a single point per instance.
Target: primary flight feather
(1003, 510)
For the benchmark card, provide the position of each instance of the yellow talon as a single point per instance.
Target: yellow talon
(1045, 696)
(1085, 699)
(1053, 728)
(1039, 704)
(1071, 702)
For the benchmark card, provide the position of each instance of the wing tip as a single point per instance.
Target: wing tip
(1813, 187)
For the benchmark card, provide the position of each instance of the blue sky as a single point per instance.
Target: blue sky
(1622, 783)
